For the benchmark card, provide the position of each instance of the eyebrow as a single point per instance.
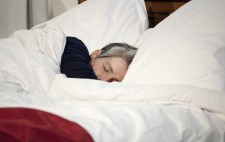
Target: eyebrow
(110, 66)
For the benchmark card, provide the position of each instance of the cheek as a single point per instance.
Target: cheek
(121, 74)
(124, 73)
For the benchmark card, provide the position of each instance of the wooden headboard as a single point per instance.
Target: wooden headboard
(159, 9)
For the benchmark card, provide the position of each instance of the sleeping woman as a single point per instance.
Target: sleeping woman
(108, 64)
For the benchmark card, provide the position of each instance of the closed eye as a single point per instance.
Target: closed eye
(108, 67)
(105, 68)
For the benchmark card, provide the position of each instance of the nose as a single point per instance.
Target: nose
(106, 78)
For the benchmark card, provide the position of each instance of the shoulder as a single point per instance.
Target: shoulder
(75, 61)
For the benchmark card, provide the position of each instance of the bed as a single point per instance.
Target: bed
(174, 90)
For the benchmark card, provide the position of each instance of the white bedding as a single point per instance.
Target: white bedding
(128, 121)
(188, 47)
(110, 112)
(30, 59)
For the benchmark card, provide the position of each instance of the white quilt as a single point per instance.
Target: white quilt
(110, 112)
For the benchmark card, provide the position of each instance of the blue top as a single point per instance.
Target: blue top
(75, 61)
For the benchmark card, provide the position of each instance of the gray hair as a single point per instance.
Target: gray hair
(122, 50)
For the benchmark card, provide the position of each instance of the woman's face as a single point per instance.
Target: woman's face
(109, 68)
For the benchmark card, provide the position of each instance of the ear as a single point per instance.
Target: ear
(95, 54)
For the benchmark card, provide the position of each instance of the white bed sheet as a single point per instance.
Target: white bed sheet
(29, 77)
(114, 121)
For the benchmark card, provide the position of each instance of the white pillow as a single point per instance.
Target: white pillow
(188, 47)
(99, 22)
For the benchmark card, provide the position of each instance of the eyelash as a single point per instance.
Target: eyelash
(105, 69)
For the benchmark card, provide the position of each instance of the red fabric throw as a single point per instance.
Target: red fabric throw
(31, 125)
